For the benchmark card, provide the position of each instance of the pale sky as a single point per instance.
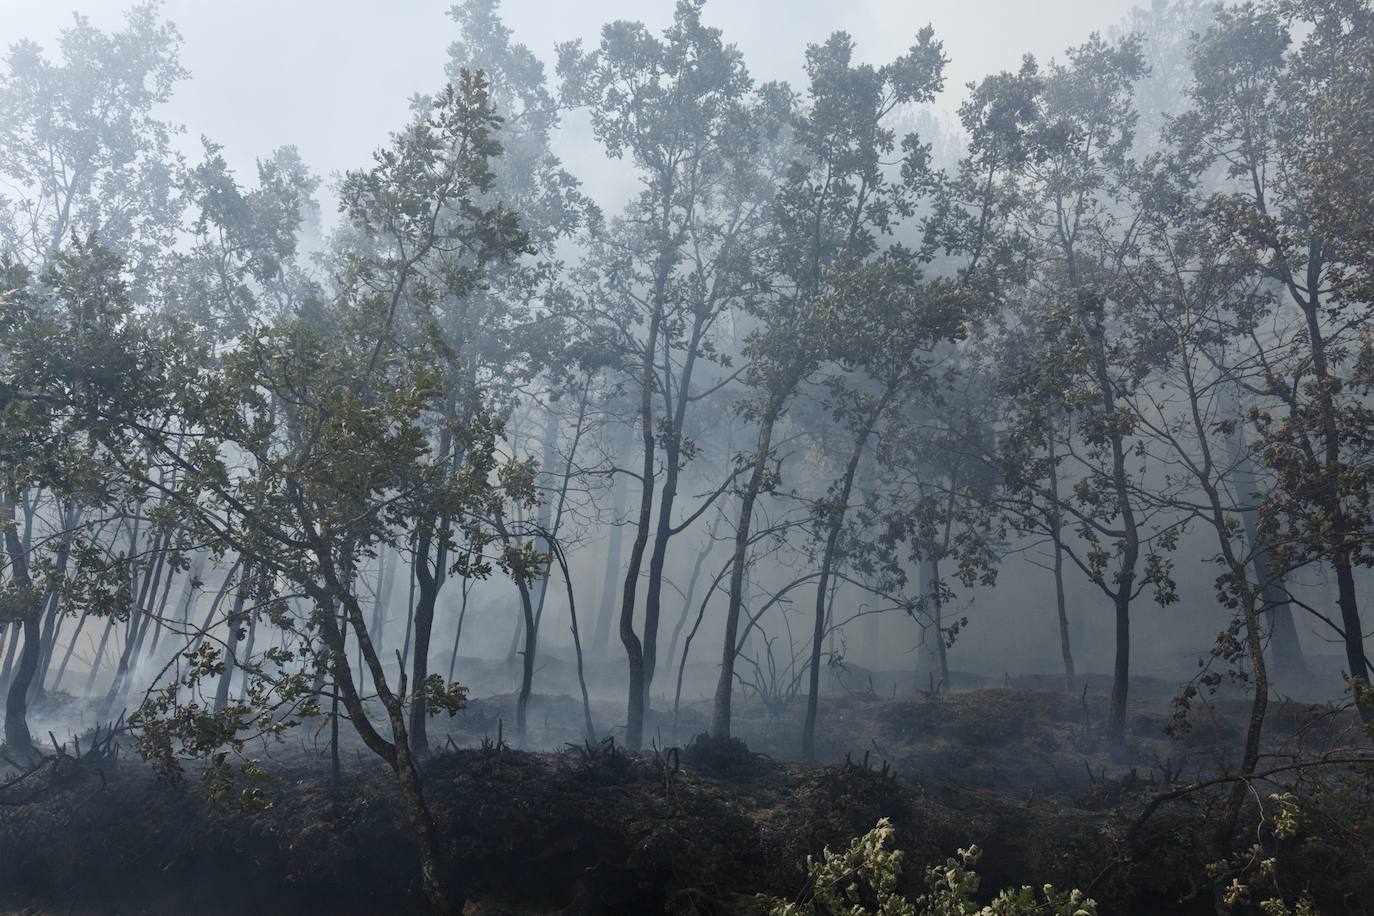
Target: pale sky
(334, 76)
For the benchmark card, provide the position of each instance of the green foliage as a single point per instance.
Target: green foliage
(443, 697)
(1251, 875)
(18, 603)
(862, 880)
(173, 723)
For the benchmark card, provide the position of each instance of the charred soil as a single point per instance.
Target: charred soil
(698, 828)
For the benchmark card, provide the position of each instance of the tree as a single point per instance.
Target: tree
(1183, 300)
(1069, 130)
(331, 413)
(890, 366)
(496, 339)
(80, 141)
(676, 267)
(75, 373)
(1254, 124)
(831, 212)
(83, 158)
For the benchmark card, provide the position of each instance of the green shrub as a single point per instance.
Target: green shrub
(862, 881)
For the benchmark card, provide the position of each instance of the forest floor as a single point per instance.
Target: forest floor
(1024, 774)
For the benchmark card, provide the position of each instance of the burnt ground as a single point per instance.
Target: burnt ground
(697, 828)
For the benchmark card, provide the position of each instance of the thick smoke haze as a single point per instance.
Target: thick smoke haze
(530, 456)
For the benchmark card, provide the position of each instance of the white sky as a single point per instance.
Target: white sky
(334, 76)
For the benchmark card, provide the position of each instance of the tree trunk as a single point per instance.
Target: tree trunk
(396, 753)
(836, 515)
(52, 605)
(248, 650)
(1130, 550)
(935, 609)
(522, 702)
(17, 699)
(634, 649)
(232, 642)
(1339, 529)
(1284, 646)
(545, 517)
(720, 716)
(1057, 540)
(12, 643)
(601, 638)
(577, 642)
(458, 631)
(429, 584)
(672, 470)
(692, 587)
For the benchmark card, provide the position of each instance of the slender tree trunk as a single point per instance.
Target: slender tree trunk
(546, 505)
(429, 583)
(1284, 647)
(1121, 673)
(17, 699)
(1338, 527)
(410, 606)
(687, 643)
(692, 586)
(52, 622)
(139, 614)
(67, 653)
(836, 515)
(522, 702)
(1130, 549)
(387, 561)
(577, 641)
(248, 649)
(15, 638)
(1254, 644)
(1057, 540)
(721, 711)
(672, 470)
(99, 655)
(634, 649)
(236, 623)
(397, 752)
(192, 576)
(1247, 597)
(935, 608)
(458, 631)
(602, 637)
